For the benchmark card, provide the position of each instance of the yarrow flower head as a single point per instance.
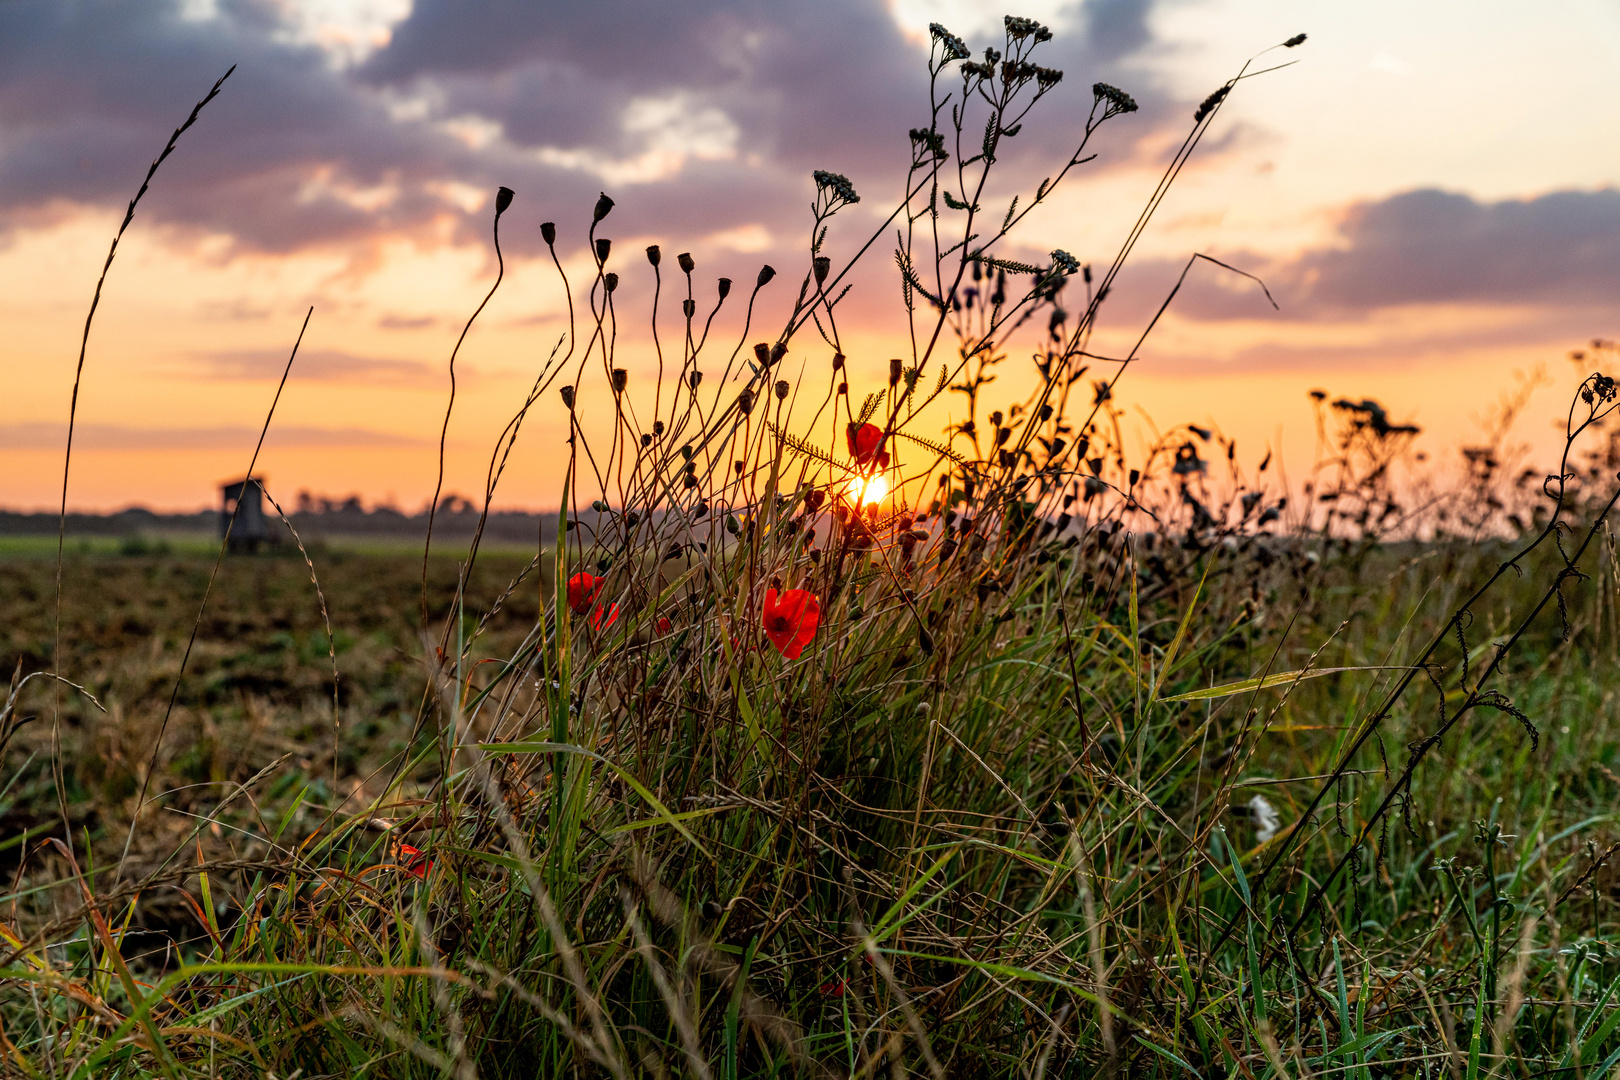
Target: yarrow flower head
(838, 185)
(791, 620)
(953, 47)
(929, 142)
(1020, 28)
(1065, 262)
(1116, 100)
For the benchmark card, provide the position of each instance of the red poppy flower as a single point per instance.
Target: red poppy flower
(834, 988)
(414, 861)
(664, 625)
(866, 444)
(598, 623)
(583, 589)
(791, 622)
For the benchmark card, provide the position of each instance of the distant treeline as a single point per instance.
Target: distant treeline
(314, 520)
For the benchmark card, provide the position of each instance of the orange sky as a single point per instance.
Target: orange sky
(1430, 193)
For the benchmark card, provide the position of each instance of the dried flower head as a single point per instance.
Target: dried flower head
(822, 266)
(837, 185)
(567, 393)
(603, 205)
(1062, 260)
(548, 232)
(503, 199)
(1115, 100)
(653, 254)
(1211, 102)
(951, 46)
(929, 143)
(1293, 42)
(782, 389)
(685, 261)
(766, 272)
(694, 377)
(603, 247)
(745, 402)
(611, 281)
(724, 284)
(1020, 28)
(621, 379)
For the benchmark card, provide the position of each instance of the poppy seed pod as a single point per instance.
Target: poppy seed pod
(621, 378)
(762, 353)
(694, 377)
(653, 254)
(603, 205)
(658, 427)
(548, 232)
(611, 281)
(822, 266)
(689, 308)
(646, 440)
(685, 259)
(894, 371)
(778, 351)
(603, 246)
(782, 389)
(567, 393)
(725, 287)
(766, 272)
(838, 361)
(843, 388)
(745, 402)
(503, 199)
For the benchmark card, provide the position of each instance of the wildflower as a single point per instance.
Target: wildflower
(1019, 28)
(822, 266)
(1265, 818)
(664, 625)
(929, 142)
(838, 184)
(1064, 261)
(866, 444)
(1118, 101)
(1046, 77)
(414, 861)
(833, 988)
(790, 623)
(583, 589)
(952, 46)
(598, 623)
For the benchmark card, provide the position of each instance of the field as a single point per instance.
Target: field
(820, 741)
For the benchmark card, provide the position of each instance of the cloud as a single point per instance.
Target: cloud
(47, 435)
(701, 115)
(322, 365)
(1430, 246)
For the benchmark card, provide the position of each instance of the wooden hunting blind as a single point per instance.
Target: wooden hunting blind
(244, 500)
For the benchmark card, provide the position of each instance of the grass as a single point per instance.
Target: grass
(1088, 764)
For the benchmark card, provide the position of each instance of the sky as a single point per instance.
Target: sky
(1431, 192)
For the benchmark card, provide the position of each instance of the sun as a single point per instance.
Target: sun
(864, 490)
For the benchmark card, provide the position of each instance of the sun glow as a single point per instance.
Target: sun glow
(863, 490)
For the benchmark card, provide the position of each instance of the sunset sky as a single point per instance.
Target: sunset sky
(1432, 192)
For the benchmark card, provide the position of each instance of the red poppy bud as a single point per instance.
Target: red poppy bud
(664, 625)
